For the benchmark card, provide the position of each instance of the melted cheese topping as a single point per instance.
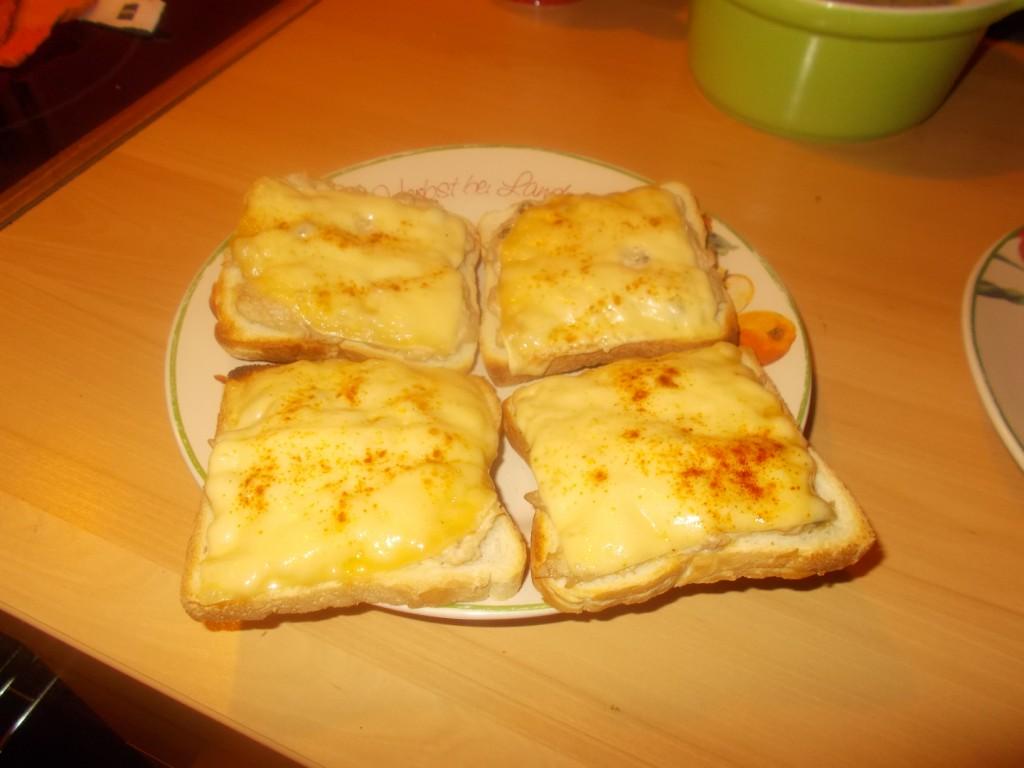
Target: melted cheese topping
(336, 470)
(645, 457)
(355, 266)
(586, 272)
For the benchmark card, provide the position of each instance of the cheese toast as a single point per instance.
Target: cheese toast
(583, 279)
(685, 468)
(332, 483)
(314, 271)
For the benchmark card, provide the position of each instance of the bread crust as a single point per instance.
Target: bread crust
(814, 550)
(495, 227)
(827, 547)
(497, 572)
(490, 562)
(245, 339)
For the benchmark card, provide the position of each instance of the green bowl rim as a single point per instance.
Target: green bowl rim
(847, 18)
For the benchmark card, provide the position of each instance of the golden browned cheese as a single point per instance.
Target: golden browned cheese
(336, 469)
(356, 266)
(599, 271)
(646, 457)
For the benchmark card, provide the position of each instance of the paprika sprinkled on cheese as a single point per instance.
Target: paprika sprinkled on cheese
(334, 469)
(599, 271)
(675, 453)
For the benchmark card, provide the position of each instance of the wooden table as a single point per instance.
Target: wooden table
(915, 657)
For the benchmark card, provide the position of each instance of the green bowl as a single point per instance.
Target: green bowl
(829, 70)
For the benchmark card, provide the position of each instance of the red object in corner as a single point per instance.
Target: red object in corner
(30, 24)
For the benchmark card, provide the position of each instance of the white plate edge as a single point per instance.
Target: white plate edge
(1013, 444)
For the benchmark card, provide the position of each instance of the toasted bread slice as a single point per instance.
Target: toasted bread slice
(681, 469)
(581, 280)
(336, 482)
(315, 271)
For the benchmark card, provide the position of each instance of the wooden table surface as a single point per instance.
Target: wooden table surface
(914, 657)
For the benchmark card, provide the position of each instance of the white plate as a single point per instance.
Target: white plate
(993, 327)
(470, 181)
